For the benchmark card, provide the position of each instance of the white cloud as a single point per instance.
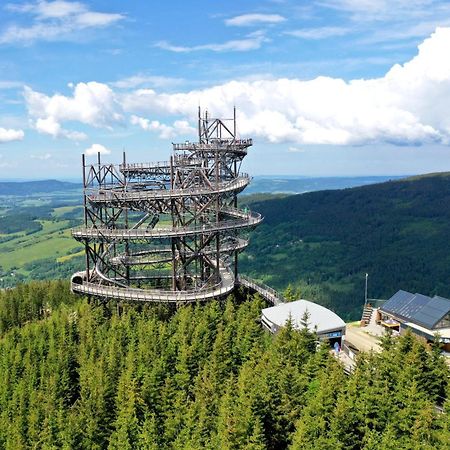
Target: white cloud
(48, 10)
(391, 20)
(252, 42)
(44, 157)
(92, 19)
(245, 20)
(10, 134)
(141, 79)
(97, 148)
(380, 10)
(48, 126)
(409, 105)
(55, 20)
(178, 128)
(92, 104)
(7, 84)
(53, 128)
(398, 33)
(318, 33)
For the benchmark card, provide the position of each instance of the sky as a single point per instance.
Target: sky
(324, 87)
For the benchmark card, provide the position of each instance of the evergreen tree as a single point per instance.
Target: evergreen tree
(207, 376)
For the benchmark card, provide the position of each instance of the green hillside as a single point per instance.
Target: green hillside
(35, 243)
(324, 242)
(76, 376)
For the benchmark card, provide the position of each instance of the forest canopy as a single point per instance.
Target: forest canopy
(323, 243)
(75, 376)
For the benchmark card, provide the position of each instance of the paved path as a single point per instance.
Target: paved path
(361, 339)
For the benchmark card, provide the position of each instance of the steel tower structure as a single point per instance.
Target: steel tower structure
(167, 231)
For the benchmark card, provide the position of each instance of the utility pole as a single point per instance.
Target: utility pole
(365, 293)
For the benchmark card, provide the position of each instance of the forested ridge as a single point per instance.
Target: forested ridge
(34, 187)
(323, 243)
(75, 376)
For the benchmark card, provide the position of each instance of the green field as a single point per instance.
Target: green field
(35, 241)
(53, 241)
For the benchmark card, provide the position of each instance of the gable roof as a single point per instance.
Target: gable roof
(417, 308)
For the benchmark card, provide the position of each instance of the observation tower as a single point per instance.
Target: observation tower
(167, 231)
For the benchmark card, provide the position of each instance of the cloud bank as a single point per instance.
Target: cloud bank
(92, 104)
(54, 20)
(407, 106)
(9, 135)
(179, 127)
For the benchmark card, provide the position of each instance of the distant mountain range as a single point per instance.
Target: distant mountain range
(25, 188)
(300, 185)
(260, 184)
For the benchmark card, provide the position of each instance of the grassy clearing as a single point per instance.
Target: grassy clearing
(53, 241)
(35, 202)
(66, 258)
(52, 247)
(58, 212)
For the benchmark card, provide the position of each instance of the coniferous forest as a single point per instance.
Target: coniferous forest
(323, 243)
(79, 376)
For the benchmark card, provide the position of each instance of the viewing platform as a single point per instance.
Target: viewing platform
(168, 231)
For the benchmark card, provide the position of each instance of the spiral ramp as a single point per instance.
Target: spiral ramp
(168, 231)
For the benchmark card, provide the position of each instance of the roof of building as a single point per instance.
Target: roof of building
(319, 316)
(443, 332)
(417, 308)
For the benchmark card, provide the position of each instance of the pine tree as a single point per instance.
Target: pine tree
(126, 427)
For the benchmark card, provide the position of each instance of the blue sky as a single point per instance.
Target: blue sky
(327, 87)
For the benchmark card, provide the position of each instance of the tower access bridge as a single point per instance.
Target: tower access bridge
(168, 231)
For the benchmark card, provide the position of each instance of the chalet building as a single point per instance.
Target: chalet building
(324, 322)
(424, 316)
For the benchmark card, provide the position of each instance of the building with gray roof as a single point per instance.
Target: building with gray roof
(425, 316)
(326, 323)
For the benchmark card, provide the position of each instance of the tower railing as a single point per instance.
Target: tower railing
(183, 211)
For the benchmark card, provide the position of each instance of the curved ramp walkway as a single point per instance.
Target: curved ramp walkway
(271, 295)
(155, 295)
(122, 197)
(241, 220)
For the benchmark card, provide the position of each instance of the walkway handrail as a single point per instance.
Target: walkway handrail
(267, 292)
(143, 257)
(245, 220)
(223, 287)
(148, 166)
(217, 144)
(103, 194)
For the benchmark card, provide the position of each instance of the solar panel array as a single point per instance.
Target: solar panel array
(417, 308)
(433, 311)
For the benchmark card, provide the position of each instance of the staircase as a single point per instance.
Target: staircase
(366, 315)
